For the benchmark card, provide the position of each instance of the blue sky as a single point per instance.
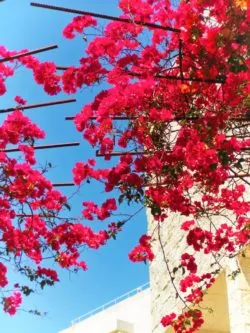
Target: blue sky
(110, 273)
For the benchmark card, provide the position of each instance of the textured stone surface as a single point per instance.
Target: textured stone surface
(234, 295)
(163, 293)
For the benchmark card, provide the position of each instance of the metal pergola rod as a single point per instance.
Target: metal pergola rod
(62, 68)
(63, 184)
(31, 215)
(102, 16)
(39, 105)
(113, 118)
(121, 153)
(50, 146)
(44, 216)
(69, 184)
(240, 176)
(238, 136)
(221, 80)
(23, 54)
(168, 121)
(163, 184)
(181, 78)
(193, 79)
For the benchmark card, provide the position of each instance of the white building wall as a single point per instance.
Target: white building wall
(129, 316)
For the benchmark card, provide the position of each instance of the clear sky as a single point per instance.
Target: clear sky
(110, 273)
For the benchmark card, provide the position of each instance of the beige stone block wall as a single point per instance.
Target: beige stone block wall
(163, 294)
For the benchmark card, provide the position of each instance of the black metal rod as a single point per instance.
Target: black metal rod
(120, 153)
(102, 16)
(45, 216)
(192, 79)
(238, 136)
(62, 68)
(50, 146)
(240, 176)
(23, 54)
(113, 118)
(63, 184)
(221, 80)
(31, 215)
(168, 121)
(180, 78)
(163, 184)
(39, 105)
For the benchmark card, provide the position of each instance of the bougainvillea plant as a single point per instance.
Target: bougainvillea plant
(30, 207)
(183, 146)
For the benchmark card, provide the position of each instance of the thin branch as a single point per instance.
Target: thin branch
(167, 266)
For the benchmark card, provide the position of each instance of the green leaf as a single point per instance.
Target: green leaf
(175, 270)
(121, 198)
(66, 205)
(26, 290)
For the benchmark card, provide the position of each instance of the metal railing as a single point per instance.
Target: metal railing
(110, 303)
